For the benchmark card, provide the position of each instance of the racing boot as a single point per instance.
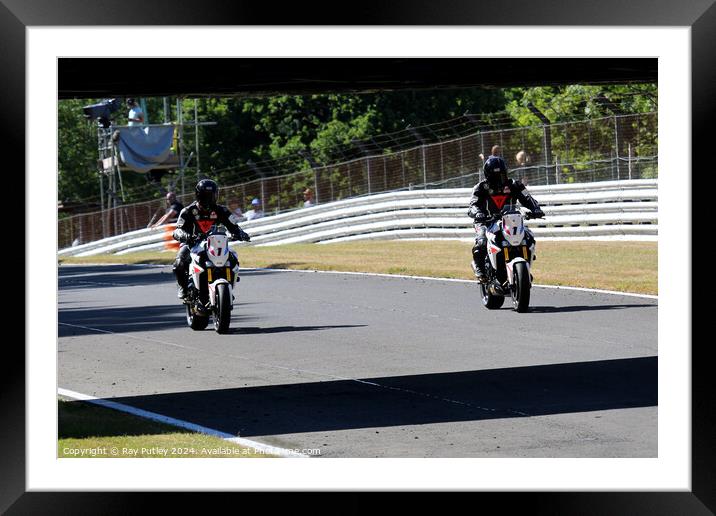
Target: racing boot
(479, 272)
(181, 276)
(479, 254)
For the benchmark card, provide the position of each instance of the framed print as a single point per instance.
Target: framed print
(77, 40)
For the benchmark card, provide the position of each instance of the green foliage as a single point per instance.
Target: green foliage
(77, 155)
(257, 130)
(579, 102)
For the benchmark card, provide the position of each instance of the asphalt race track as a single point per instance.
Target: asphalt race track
(368, 366)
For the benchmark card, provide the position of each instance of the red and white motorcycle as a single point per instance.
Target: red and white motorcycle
(510, 252)
(213, 273)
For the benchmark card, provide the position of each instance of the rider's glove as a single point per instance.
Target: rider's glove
(242, 235)
(481, 219)
(537, 214)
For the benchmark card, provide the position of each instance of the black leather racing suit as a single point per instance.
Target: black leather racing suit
(487, 200)
(192, 222)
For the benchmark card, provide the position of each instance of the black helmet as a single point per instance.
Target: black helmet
(495, 171)
(207, 191)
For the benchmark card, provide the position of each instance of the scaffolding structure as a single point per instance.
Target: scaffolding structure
(184, 159)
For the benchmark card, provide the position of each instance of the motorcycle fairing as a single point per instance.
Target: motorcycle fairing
(217, 249)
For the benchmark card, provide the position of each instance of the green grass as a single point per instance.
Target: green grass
(90, 431)
(620, 266)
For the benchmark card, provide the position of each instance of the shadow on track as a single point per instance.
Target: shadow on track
(161, 317)
(284, 329)
(582, 308)
(129, 319)
(105, 276)
(416, 399)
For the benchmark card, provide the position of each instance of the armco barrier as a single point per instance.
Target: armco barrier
(613, 209)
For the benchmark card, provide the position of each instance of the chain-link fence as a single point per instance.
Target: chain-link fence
(611, 148)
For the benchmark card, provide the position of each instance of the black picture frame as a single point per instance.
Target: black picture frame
(700, 16)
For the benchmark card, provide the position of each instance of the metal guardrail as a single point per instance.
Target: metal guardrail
(619, 209)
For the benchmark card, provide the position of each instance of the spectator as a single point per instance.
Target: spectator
(135, 116)
(255, 212)
(522, 158)
(523, 161)
(496, 151)
(174, 208)
(237, 213)
(308, 198)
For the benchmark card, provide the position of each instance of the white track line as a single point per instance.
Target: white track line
(598, 291)
(265, 448)
(382, 275)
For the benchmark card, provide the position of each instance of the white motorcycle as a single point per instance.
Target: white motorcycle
(510, 253)
(213, 273)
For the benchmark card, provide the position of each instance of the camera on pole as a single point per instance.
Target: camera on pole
(102, 111)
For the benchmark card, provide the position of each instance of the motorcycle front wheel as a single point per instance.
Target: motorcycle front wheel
(490, 301)
(222, 314)
(196, 321)
(521, 288)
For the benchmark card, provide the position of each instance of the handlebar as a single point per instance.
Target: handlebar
(497, 216)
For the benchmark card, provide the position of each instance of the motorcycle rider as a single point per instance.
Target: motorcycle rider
(488, 198)
(194, 221)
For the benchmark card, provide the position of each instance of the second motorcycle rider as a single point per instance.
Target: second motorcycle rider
(194, 221)
(488, 197)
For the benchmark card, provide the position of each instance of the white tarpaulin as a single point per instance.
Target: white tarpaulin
(144, 148)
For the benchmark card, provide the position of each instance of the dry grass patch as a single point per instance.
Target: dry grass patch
(89, 431)
(621, 266)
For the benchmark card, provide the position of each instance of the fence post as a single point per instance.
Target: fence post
(425, 173)
(367, 162)
(315, 186)
(629, 161)
(547, 140)
(556, 170)
(616, 141)
(350, 181)
(402, 165)
(462, 166)
(263, 204)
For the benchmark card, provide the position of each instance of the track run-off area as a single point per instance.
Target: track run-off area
(371, 365)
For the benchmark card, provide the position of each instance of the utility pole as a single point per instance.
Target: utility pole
(618, 112)
(547, 135)
(196, 141)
